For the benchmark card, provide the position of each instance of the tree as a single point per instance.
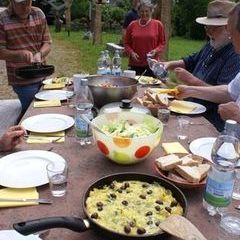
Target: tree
(68, 4)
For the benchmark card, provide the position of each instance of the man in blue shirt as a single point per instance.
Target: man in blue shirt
(130, 16)
(216, 63)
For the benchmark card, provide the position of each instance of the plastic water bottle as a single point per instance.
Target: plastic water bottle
(116, 64)
(101, 64)
(84, 104)
(157, 68)
(107, 62)
(220, 181)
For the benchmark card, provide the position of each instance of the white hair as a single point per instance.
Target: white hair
(146, 3)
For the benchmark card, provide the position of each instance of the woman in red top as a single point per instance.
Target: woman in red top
(143, 36)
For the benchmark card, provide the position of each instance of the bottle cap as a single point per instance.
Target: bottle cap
(84, 82)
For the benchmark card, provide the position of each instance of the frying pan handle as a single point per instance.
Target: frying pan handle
(37, 225)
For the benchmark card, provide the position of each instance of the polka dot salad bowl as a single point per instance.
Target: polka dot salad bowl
(126, 150)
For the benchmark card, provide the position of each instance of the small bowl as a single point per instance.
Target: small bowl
(127, 150)
(182, 183)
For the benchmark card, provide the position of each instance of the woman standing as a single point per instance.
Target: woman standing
(143, 36)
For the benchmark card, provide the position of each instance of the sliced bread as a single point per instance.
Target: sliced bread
(188, 161)
(191, 174)
(203, 170)
(168, 162)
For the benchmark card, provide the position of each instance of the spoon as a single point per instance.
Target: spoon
(142, 74)
(181, 228)
(92, 124)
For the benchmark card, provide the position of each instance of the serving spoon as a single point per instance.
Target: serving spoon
(181, 228)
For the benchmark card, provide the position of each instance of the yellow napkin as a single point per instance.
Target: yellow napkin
(54, 86)
(181, 106)
(57, 137)
(30, 193)
(49, 103)
(174, 147)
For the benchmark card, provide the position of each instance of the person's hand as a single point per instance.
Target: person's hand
(183, 92)
(152, 53)
(25, 56)
(11, 138)
(229, 111)
(135, 56)
(37, 58)
(185, 76)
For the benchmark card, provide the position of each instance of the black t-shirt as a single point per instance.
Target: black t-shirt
(130, 16)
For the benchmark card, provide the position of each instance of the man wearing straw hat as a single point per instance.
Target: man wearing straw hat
(216, 63)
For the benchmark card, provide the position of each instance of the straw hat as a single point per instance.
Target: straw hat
(217, 13)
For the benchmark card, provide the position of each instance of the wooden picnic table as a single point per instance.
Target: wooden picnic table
(87, 164)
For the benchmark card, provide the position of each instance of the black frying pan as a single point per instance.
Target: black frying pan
(81, 225)
(35, 71)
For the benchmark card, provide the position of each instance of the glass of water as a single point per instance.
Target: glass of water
(183, 123)
(57, 174)
(163, 115)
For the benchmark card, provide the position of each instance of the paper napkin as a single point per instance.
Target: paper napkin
(181, 106)
(174, 147)
(30, 193)
(57, 137)
(50, 103)
(54, 86)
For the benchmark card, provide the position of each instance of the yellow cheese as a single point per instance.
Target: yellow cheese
(181, 106)
(173, 147)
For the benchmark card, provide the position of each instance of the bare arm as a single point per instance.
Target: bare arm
(16, 55)
(171, 65)
(45, 50)
(216, 94)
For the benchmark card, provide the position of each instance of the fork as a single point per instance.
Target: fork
(26, 136)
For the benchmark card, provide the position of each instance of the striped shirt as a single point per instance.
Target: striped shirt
(15, 35)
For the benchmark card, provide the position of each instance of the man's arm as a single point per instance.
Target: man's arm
(16, 55)
(216, 94)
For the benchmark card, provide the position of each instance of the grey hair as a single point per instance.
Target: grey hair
(236, 12)
(146, 3)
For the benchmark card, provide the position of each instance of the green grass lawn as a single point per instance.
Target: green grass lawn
(86, 54)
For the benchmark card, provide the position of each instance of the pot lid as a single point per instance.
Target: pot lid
(124, 105)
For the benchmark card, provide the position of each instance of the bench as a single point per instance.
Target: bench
(10, 112)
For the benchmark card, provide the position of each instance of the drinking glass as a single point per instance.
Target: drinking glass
(163, 115)
(57, 174)
(183, 123)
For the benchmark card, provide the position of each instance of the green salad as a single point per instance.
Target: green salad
(127, 129)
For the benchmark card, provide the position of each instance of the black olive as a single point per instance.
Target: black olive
(174, 203)
(141, 230)
(132, 224)
(149, 192)
(124, 202)
(99, 204)
(159, 202)
(113, 195)
(168, 209)
(122, 187)
(128, 191)
(112, 186)
(144, 185)
(119, 190)
(149, 213)
(94, 215)
(157, 208)
(126, 185)
(127, 229)
(142, 196)
(150, 222)
(100, 209)
(157, 223)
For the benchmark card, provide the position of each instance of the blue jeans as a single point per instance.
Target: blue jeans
(26, 94)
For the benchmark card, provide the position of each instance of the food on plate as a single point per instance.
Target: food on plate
(187, 168)
(147, 80)
(128, 129)
(182, 106)
(168, 162)
(132, 207)
(60, 80)
(172, 91)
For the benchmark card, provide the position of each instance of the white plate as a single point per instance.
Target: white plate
(199, 108)
(26, 169)
(202, 147)
(14, 235)
(53, 94)
(47, 123)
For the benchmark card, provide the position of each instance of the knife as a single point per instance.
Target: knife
(40, 200)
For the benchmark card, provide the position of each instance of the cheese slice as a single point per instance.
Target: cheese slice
(181, 106)
(172, 91)
(174, 147)
(54, 86)
(48, 103)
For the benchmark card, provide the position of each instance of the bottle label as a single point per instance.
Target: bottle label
(218, 194)
(81, 128)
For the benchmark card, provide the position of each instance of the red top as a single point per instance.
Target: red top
(143, 39)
